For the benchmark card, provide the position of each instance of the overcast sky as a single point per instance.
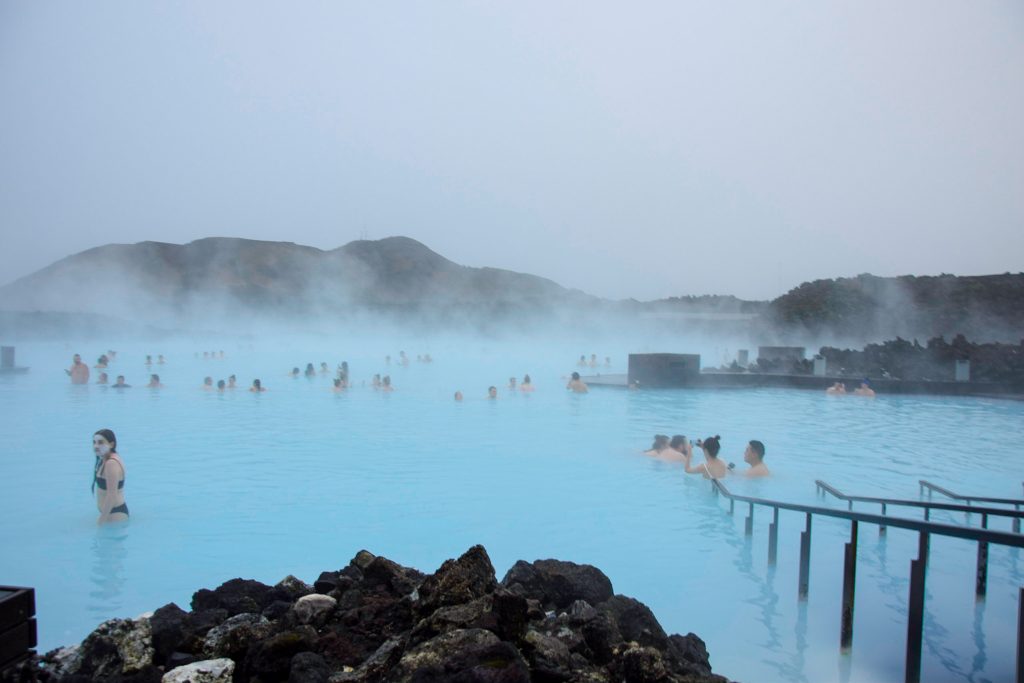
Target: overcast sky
(626, 149)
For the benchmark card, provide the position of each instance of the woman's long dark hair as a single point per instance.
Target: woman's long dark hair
(711, 445)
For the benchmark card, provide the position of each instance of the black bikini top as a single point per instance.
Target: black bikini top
(101, 482)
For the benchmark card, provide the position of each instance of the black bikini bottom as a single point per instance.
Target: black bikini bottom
(123, 507)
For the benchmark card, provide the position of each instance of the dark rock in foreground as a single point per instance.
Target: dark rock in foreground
(375, 620)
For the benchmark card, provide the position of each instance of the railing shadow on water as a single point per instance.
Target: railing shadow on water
(925, 529)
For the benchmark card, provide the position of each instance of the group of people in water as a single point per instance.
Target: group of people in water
(109, 469)
(576, 385)
(592, 363)
(679, 449)
(839, 389)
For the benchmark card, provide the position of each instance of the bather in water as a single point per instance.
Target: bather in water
(837, 389)
(108, 478)
(864, 390)
(526, 384)
(79, 371)
(577, 385)
(712, 467)
(754, 456)
(674, 452)
(660, 444)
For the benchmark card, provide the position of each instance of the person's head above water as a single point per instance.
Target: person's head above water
(208, 381)
(458, 395)
(256, 384)
(677, 442)
(492, 392)
(575, 375)
(526, 379)
(754, 453)
(660, 442)
(104, 442)
(711, 445)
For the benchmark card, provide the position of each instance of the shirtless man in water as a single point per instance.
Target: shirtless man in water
(79, 371)
(754, 456)
(864, 390)
(577, 385)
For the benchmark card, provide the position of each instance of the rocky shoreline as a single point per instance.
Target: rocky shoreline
(375, 620)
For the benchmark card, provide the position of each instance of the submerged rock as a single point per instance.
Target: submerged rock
(375, 621)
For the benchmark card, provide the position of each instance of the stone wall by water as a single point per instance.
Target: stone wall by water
(375, 620)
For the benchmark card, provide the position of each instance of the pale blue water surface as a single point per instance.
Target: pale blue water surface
(298, 479)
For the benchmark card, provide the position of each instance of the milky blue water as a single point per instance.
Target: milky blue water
(298, 479)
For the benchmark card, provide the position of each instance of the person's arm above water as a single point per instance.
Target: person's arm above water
(687, 459)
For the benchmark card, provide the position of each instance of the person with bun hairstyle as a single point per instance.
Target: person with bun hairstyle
(108, 478)
(712, 467)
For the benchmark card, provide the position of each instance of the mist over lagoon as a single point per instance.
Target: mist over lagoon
(412, 225)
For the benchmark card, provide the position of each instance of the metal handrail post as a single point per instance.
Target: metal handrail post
(849, 588)
(915, 610)
(805, 561)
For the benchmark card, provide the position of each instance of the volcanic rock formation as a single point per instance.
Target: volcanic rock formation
(375, 620)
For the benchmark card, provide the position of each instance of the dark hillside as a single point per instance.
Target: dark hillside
(982, 306)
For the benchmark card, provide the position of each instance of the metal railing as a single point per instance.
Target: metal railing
(930, 487)
(915, 607)
(928, 505)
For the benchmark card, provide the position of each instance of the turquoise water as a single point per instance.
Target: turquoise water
(296, 480)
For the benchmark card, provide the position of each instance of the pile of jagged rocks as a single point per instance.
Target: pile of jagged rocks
(375, 620)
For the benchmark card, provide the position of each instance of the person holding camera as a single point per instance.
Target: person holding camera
(712, 467)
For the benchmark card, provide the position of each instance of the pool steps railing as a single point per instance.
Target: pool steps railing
(928, 505)
(923, 485)
(915, 606)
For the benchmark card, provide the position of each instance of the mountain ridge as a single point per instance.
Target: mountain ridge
(211, 279)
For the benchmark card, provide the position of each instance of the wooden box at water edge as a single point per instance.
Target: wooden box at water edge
(17, 624)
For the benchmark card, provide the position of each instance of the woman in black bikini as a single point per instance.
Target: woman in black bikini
(108, 478)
